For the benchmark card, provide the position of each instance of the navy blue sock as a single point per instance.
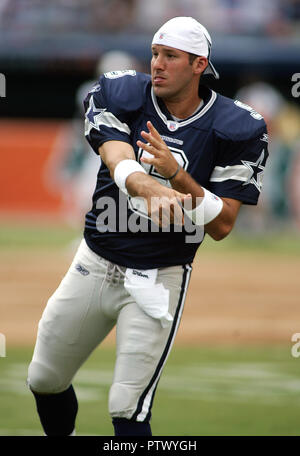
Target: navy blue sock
(57, 412)
(127, 427)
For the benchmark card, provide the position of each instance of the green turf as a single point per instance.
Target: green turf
(203, 391)
(286, 243)
(15, 236)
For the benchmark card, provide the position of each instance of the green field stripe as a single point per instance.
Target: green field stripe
(236, 382)
(26, 235)
(240, 390)
(16, 236)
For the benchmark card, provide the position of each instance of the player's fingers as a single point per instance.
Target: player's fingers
(155, 217)
(149, 161)
(177, 211)
(166, 216)
(154, 132)
(185, 202)
(158, 144)
(171, 212)
(183, 197)
(160, 216)
(158, 211)
(148, 148)
(178, 215)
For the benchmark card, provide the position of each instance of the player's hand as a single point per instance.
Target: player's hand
(162, 158)
(164, 206)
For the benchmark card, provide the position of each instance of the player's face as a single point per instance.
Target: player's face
(171, 71)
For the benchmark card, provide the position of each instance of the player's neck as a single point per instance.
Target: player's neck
(182, 108)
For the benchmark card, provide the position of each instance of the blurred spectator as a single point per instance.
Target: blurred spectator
(113, 15)
(291, 9)
(283, 122)
(65, 16)
(253, 18)
(263, 17)
(150, 15)
(223, 16)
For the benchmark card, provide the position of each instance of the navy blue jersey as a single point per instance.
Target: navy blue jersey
(223, 146)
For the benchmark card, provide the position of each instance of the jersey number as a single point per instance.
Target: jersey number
(119, 74)
(179, 156)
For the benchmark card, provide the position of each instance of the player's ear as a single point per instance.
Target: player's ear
(199, 64)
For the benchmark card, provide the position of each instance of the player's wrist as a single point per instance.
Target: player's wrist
(123, 170)
(174, 173)
(210, 207)
(139, 184)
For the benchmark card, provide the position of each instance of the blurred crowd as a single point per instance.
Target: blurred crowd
(259, 17)
(279, 203)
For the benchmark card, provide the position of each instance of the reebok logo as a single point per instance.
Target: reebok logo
(82, 270)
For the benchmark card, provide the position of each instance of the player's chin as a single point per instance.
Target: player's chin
(161, 92)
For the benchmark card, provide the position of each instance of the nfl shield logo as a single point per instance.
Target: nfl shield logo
(161, 36)
(172, 125)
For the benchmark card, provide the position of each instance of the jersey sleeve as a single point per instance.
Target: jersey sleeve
(239, 167)
(110, 108)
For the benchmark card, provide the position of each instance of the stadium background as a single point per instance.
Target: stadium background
(231, 371)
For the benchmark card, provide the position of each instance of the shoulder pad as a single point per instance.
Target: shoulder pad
(236, 120)
(124, 91)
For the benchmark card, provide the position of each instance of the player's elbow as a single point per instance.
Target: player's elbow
(220, 232)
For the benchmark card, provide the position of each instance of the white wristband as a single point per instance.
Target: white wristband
(123, 169)
(207, 210)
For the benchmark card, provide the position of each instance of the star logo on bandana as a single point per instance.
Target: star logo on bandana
(93, 116)
(257, 171)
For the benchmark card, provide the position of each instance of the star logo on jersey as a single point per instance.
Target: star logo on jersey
(93, 116)
(265, 137)
(95, 88)
(257, 171)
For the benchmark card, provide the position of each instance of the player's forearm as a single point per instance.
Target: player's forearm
(137, 183)
(220, 226)
(184, 183)
(112, 152)
(143, 185)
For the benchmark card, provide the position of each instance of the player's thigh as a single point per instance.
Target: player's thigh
(72, 325)
(55, 362)
(143, 346)
(145, 337)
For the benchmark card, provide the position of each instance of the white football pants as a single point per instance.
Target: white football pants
(89, 301)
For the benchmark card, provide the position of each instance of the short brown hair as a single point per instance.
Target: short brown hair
(192, 57)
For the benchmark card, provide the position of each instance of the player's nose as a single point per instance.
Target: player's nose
(158, 62)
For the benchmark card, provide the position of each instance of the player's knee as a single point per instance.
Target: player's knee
(43, 379)
(122, 400)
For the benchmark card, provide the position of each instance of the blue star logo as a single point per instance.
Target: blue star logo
(93, 116)
(257, 171)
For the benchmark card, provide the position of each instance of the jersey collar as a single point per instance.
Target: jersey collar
(209, 97)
